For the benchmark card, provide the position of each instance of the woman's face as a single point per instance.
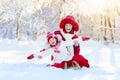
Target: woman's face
(68, 27)
(53, 41)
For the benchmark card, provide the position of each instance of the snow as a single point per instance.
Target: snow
(104, 61)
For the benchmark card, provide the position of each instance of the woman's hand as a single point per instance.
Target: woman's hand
(76, 43)
(85, 38)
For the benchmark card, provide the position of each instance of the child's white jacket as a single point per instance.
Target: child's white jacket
(63, 55)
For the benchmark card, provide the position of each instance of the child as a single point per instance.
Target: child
(62, 57)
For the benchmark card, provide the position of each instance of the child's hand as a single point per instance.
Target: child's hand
(76, 43)
(30, 57)
(39, 57)
(42, 50)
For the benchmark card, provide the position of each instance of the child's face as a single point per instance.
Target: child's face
(68, 27)
(53, 41)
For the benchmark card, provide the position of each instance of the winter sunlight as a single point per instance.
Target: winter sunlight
(97, 6)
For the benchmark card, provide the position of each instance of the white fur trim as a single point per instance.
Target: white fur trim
(67, 36)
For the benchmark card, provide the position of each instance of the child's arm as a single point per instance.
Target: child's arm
(44, 53)
(40, 54)
(46, 47)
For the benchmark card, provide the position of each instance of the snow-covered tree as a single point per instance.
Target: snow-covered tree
(26, 19)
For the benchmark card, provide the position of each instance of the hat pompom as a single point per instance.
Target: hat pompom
(48, 34)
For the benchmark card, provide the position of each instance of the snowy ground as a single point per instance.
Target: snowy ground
(104, 61)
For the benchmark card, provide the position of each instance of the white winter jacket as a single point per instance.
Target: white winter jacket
(63, 55)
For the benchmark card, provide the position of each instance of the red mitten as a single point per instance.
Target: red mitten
(30, 57)
(85, 38)
(42, 50)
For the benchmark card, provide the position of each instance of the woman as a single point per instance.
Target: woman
(68, 28)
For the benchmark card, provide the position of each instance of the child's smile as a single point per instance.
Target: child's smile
(53, 41)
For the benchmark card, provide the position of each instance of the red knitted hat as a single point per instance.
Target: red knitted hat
(50, 35)
(69, 20)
